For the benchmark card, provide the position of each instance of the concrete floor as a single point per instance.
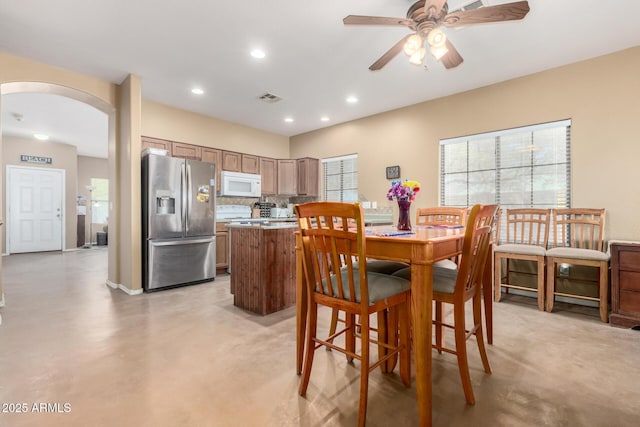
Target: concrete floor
(188, 357)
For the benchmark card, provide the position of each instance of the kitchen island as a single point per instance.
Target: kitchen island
(263, 266)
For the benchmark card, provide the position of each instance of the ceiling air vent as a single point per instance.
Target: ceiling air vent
(269, 98)
(469, 6)
(473, 5)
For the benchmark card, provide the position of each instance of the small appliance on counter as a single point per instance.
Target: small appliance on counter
(279, 213)
(265, 208)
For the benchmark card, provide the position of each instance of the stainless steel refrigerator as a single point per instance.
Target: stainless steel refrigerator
(178, 222)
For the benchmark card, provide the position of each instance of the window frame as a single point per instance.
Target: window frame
(501, 142)
(325, 188)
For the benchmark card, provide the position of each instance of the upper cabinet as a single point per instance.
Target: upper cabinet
(148, 142)
(231, 161)
(238, 162)
(250, 163)
(308, 172)
(211, 155)
(285, 177)
(186, 151)
(269, 174)
(174, 149)
(287, 182)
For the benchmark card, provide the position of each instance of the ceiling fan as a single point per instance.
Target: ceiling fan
(425, 17)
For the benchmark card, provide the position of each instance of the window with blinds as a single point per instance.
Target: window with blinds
(526, 167)
(340, 177)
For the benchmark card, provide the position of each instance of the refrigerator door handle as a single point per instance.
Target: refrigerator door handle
(181, 242)
(188, 198)
(183, 195)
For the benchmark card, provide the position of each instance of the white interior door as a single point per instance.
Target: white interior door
(34, 209)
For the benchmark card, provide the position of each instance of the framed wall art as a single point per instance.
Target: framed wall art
(393, 172)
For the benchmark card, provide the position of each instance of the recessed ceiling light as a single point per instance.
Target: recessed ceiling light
(324, 118)
(288, 119)
(197, 91)
(352, 100)
(257, 53)
(40, 136)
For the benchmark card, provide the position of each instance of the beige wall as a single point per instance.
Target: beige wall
(600, 96)
(161, 121)
(16, 69)
(63, 157)
(90, 167)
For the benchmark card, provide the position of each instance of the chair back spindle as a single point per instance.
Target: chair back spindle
(579, 228)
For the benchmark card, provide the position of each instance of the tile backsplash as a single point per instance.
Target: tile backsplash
(280, 201)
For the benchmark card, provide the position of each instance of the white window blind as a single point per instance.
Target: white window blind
(340, 177)
(528, 167)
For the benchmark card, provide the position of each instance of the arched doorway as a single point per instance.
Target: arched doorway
(97, 103)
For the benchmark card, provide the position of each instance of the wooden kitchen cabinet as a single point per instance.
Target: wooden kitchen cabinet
(625, 284)
(186, 151)
(211, 155)
(287, 177)
(308, 172)
(222, 246)
(250, 163)
(231, 161)
(269, 175)
(163, 144)
(263, 268)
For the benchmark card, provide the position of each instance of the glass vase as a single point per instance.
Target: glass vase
(404, 220)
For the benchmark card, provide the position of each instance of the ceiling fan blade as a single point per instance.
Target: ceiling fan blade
(502, 12)
(452, 58)
(375, 20)
(390, 54)
(433, 7)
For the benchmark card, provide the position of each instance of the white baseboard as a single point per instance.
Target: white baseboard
(123, 288)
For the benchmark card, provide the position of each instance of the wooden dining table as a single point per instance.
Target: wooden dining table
(421, 249)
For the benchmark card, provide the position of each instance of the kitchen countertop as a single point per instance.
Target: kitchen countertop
(369, 220)
(277, 223)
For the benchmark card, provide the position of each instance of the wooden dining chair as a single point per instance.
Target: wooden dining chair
(452, 216)
(456, 287)
(442, 216)
(527, 236)
(328, 247)
(578, 236)
(433, 216)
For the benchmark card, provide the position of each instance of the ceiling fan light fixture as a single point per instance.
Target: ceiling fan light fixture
(436, 38)
(417, 57)
(413, 44)
(439, 52)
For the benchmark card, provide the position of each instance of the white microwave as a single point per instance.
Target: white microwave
(240, 184)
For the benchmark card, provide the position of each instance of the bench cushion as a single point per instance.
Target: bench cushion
(520, 249)
(576, 253)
